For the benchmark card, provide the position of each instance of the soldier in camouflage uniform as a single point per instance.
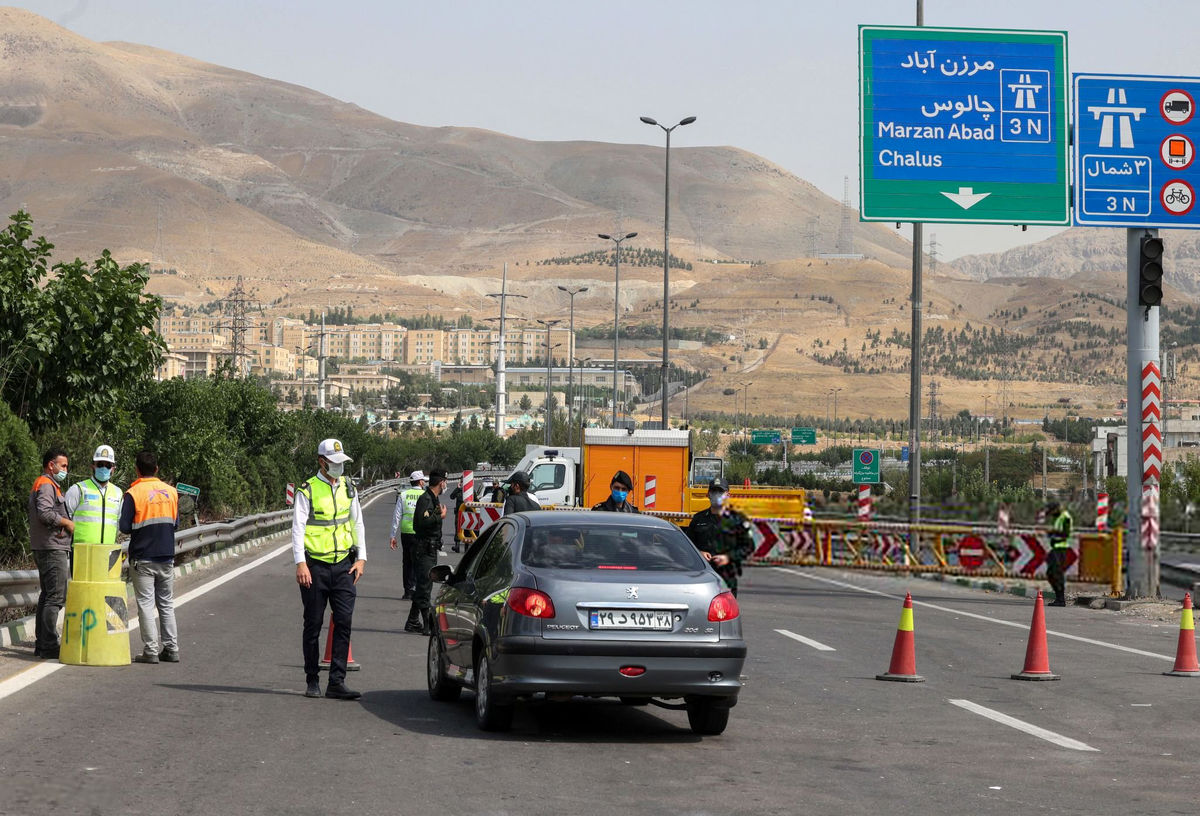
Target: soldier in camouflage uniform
(722, 535)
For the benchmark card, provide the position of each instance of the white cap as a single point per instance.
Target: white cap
(331, 449)
(417, 476)
(104, 453)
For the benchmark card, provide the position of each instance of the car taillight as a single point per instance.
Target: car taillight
(530, 602)
(632, 671)
(723, 607)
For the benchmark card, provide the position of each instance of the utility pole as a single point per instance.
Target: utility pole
(321, 366)
(1144, 412)
(501, 424)
(549, 324)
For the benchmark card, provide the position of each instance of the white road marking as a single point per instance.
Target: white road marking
(960, 612)
(28, 677)
(1021, 725)
(820, 647)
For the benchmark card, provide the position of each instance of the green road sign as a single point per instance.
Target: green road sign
(764, 437)
(187, 489)
(963, 125)
(804, 436)
(866, 466)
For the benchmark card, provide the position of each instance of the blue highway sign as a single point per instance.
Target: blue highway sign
(963, 125)
(1135, 141)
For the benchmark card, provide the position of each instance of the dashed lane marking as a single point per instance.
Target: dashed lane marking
(938, 607)
(1021, 725)
(820, 647)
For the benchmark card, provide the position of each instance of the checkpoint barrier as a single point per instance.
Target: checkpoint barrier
(953, 549)
(96, 614)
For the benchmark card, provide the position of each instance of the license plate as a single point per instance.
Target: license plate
(631, 619)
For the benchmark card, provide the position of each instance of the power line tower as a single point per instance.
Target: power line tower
(933, 252)
(814, 226)
(1004, 398)
(846, 229)
(235, 323)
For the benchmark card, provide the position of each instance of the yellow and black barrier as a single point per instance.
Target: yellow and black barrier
(941, 547)
(96, 615)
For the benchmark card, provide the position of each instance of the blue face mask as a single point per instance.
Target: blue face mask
(619, 495)
(103, 474)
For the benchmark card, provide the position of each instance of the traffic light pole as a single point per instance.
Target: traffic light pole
(1144, 426)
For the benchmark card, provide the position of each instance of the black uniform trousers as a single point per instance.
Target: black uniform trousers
(408, 546)
(332, 585)
(1056, 572)
(425, 557)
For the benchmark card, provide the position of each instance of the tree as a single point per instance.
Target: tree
(70, 344)
(526, 403)
(21, 465)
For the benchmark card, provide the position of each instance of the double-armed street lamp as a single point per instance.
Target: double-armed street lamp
(570, 353)
(549, 324)
(667, 256)
(616, 312)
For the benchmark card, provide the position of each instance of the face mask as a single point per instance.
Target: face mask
(102, 474)
(619, 495)
(60, 477)
(716, 500)
(335, 469)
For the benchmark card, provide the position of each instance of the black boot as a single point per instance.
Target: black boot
(413, 624)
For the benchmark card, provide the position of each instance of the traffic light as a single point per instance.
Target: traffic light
(1150, 272)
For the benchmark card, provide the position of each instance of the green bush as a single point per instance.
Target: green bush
(21, 466)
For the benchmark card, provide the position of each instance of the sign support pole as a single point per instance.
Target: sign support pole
(1144, 425)
(914, 381)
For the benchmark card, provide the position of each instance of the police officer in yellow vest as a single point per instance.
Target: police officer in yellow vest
(1061, 527)
(402, 522)
(95, 504)
(329, 549)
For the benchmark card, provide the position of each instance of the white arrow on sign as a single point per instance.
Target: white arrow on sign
(966, 197)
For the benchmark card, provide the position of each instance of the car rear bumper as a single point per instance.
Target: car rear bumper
(527, 665)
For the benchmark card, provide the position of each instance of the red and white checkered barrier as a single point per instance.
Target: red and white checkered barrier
(651, 493)
(1102, 511)
(864, 502)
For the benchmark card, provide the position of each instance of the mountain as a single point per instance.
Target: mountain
(1089, 253)
(218, 173)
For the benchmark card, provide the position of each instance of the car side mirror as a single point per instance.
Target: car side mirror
(441, 574)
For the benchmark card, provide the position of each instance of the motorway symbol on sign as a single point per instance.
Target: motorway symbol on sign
(866, 466)
(1134, 146)
(765, 437)
(963, 125)
(804, 436)
(187, 489)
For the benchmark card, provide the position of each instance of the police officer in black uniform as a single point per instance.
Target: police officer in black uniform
(722, 535)
(618, 499)
(519, 499)
(427, 528)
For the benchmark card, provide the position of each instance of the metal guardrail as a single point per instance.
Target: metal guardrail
(20, 587)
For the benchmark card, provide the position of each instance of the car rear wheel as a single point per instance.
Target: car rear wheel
(440, 687)
(489, 715)
(707, 715)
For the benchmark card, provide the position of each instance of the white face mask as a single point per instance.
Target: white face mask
(335, 469)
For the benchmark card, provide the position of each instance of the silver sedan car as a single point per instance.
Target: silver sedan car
(556, 604)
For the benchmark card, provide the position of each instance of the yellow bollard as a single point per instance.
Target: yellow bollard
(96, 614)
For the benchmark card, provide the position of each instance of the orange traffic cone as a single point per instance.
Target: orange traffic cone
(350, 664)
(1037, 657)
(904, 654)
(1185, 654)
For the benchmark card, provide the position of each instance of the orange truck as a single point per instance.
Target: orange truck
(680, 482)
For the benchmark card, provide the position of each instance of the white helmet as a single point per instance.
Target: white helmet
(104, 453)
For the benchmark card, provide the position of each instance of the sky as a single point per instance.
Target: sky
(778, 78)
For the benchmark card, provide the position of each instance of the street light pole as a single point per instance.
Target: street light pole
(835, 402)
(616, 312)
(549, 324)
(667, 258)
(501, 422)
(571, 368)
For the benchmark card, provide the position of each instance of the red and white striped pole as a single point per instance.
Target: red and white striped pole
(651, 494)
(1102, 512)
(864, 502)
(468, 485)
(1152, 442)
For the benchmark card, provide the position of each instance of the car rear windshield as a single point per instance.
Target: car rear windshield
(596, 548)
